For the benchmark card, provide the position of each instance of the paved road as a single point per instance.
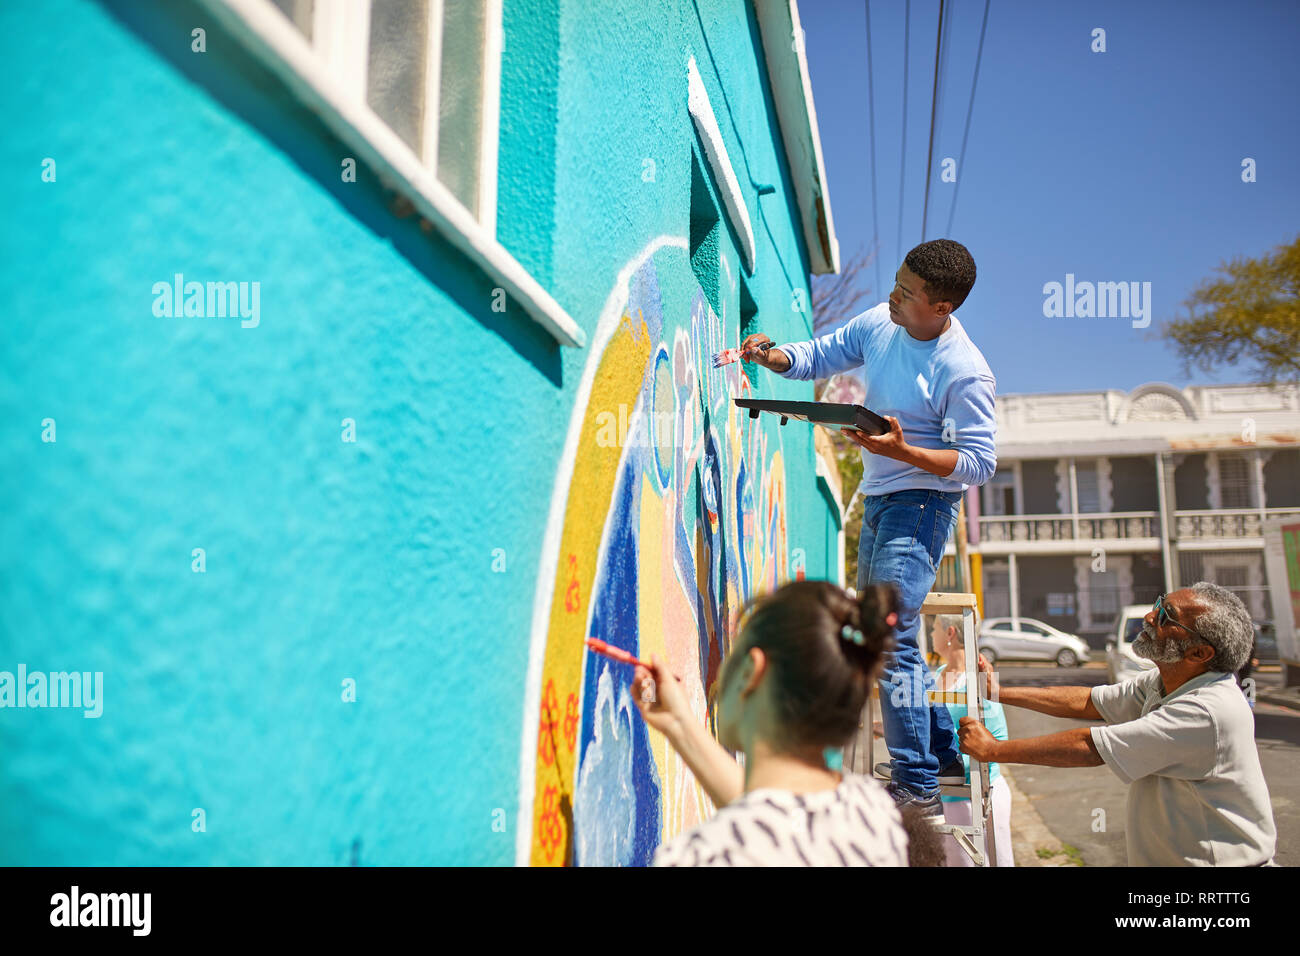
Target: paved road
(1068, 798)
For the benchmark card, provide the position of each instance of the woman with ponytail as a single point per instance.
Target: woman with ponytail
(792, 687)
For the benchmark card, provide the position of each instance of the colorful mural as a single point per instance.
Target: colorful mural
(676, 515)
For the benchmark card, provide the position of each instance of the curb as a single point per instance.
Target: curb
(1029, 833)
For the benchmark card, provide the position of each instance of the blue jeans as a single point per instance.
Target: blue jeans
(903, 537)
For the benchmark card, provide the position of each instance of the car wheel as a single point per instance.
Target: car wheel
(989, 655)
(1067, 658)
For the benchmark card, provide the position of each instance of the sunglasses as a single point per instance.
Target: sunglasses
(1165, 616)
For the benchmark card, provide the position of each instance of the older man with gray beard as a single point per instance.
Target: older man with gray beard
(1181, 735)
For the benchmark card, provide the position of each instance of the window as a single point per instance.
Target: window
(395, 66)
(1034, 629)
(428, 69)
(1060, 603)
(1236, 482)
(1089, 486)
(460, 116)
(1001, 626)
(1000, 493)
(412, 90)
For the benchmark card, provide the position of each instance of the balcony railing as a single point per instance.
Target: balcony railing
(1241, 523)
(1126, 525)
(1102, 527)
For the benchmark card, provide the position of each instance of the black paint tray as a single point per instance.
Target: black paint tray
(830, 414)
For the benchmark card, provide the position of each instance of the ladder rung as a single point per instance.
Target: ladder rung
(933, 696)
(965, 828)
(946, 696)
(939, 602)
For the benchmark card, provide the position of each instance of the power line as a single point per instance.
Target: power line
(961, 162)
(871, 112)
(943, 72)
(902, 161)
(934, 100)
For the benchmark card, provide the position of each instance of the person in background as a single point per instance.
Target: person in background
(792, 686)
(946, 640)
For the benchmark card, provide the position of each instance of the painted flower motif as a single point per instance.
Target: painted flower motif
(549, 721)
(571, 722)
(550, 829)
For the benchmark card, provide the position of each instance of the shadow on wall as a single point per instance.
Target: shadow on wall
(675, 516)
(236, 80)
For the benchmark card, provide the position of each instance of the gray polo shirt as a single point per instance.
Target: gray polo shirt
(1196, 795)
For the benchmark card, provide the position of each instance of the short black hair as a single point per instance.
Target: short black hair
(947, 269)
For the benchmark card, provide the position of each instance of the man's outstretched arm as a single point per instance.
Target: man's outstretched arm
(1073, 702)
(1069, 748)
(821, 357)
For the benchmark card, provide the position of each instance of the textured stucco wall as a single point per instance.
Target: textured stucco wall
(378, 560)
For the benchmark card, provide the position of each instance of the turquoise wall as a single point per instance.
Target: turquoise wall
(326, 560)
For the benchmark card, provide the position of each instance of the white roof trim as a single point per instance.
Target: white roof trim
(787, 71)
(715, 151)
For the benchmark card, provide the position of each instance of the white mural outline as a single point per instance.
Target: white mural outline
(610, 316)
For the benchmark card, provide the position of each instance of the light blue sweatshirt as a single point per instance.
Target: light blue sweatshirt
(925, 385)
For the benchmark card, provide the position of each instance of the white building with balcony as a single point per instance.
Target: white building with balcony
(1107, 498)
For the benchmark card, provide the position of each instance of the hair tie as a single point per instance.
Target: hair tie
(891, 619)
(852, 634)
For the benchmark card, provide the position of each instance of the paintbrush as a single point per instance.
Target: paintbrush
(615, 653)
(618, 654)
(727, 356)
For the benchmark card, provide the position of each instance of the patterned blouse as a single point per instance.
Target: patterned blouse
(855, 824)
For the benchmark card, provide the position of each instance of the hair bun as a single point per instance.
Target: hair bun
(878, 610)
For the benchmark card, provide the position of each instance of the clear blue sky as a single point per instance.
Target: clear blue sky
(1115, 166)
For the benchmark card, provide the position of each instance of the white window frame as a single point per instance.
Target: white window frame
(992, 494)
(328, 73)
(1214, 476)
(1089, 466)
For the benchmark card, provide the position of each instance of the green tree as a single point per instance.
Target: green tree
(1250, 312)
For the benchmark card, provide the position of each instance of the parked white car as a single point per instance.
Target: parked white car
(1121, 662)
(1027, 639)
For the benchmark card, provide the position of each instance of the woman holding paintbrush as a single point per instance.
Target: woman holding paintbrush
(793, 685)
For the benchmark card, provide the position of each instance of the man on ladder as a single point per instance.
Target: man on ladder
(928, 380)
